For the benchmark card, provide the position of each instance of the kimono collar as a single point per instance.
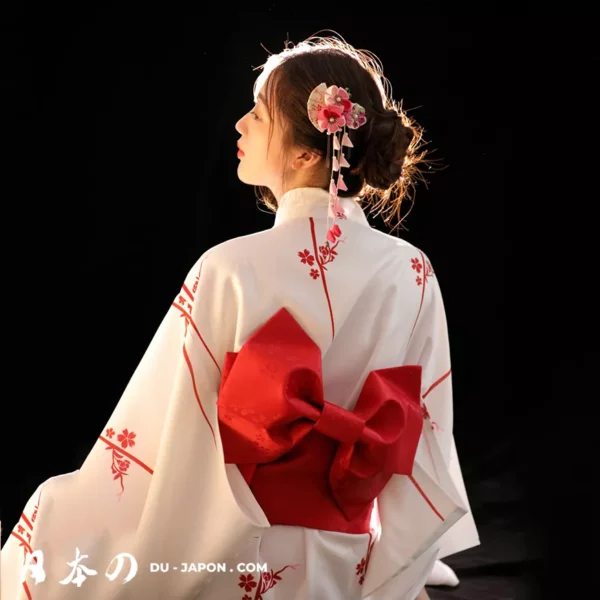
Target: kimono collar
(313, 202)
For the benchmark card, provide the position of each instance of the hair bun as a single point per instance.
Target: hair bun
(386, 148)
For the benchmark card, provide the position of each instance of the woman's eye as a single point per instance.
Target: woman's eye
(254, 115)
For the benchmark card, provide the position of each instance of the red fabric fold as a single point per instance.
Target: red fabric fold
(308, 462)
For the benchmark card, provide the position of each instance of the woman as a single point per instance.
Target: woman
(288, 433)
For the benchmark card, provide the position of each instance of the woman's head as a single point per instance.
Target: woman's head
(284, 150)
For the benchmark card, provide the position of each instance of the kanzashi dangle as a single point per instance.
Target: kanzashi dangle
(331, 111)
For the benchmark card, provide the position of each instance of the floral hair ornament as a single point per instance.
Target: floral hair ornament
(330, 110)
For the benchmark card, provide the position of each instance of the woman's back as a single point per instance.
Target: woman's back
(359, 301)
(294, 408)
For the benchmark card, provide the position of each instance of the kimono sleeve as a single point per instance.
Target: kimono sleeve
(430, 347)
(155, 474)
(416, 510)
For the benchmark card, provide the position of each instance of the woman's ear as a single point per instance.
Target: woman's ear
(306, 159)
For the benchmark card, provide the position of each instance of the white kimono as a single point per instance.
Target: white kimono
(156, 513)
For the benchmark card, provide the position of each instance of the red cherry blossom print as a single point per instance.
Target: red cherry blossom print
(247, 582)
(360, 567)
(265, 582)
(126, 438)
(416, 264)
(424, 266)
(121, 460)
(306, 258)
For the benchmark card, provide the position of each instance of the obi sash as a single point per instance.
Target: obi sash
(308, 462)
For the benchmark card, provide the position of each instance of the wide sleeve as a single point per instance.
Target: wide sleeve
(155, 474)
(416, 511)
(430, 347)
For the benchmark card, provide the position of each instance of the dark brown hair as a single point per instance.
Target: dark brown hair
(384, 162)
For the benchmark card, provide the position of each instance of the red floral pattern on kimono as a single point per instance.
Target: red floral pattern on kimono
(24, 529)
(185, 302)
(265, 582)
(325, 255)
(23, 532)
(422, 267)
(361, 567)
(121, 460)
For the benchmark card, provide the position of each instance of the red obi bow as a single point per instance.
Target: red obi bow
(272, 412)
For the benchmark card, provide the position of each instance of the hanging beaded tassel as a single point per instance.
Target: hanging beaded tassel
(330, 110)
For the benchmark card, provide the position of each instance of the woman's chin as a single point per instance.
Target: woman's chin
(246, 178)
(241, 175)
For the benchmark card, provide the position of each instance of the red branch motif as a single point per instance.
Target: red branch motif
(327, 255)
(361, 567)
(120, 464)
(265, 582)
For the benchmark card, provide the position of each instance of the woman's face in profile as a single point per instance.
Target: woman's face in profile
(261, 159)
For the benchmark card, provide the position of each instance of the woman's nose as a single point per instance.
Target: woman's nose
(239, 126)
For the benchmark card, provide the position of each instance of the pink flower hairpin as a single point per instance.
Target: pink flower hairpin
(331, 119)
(330, 110)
